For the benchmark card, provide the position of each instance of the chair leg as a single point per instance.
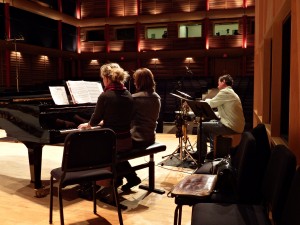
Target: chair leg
(51, 200)
(177, 215)
(116, 197)
(61, 212)
(94, 197)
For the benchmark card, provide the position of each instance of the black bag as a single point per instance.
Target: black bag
(226, 175)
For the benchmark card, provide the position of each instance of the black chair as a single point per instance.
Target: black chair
(279, 175)
(247, 151)
(249, 177)
(263, 149)
(291, 210)
(88, 156)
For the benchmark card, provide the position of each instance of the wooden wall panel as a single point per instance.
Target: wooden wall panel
(181, 6)
(174, 67)
(197, 5)
(93, 9)
(250, 3)
(234, 4)
(130, 7)
(230, 41)
(173, 44)
(250, 65)
(189, 43)
(122, 46)
(93, 46)
(90, 71)
(217, 4)
(250, 40)
(155, 45)
(163, 6)
(229, 65)
(147, 7)
(225, 4)
(123, 8)
(116, 8)
(32, 70)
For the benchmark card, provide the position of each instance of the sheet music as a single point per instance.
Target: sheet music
(59, 95)
(84, 91)
(94, 89)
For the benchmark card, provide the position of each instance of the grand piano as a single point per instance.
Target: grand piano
(36, 121)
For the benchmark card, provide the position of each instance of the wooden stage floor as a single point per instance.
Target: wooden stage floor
(20, 206)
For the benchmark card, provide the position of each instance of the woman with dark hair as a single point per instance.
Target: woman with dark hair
(146, 108)
(145, 115)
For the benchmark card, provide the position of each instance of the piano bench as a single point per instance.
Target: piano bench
(141, 152)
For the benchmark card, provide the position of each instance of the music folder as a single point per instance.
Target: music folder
(202, 109)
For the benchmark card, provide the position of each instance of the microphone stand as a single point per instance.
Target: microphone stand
(14, 40)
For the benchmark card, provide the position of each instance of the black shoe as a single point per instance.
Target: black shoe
(85, 191)
(106, 195)
(119, 182)
(131, 183)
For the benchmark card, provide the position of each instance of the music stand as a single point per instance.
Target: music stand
(203, 110)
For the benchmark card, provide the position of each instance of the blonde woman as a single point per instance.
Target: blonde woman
(114, 106)
(113, 110)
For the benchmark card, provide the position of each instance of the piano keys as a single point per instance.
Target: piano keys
(36, 121)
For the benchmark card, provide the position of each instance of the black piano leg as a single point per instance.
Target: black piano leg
(35, 164)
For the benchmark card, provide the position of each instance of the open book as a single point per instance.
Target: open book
(80, 92)
(84, 91)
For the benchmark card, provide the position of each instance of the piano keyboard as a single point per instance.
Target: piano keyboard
(66, 131)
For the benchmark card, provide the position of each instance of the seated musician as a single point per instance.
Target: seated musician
(114, 106)
(231, 115)
(145, 115)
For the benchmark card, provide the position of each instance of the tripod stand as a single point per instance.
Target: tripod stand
(182, 152)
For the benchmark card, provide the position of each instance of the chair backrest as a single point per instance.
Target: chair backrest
(280, 171)
(89, 149)
(246, 173)
(253, 157)
(291, 211)
(263, 152)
